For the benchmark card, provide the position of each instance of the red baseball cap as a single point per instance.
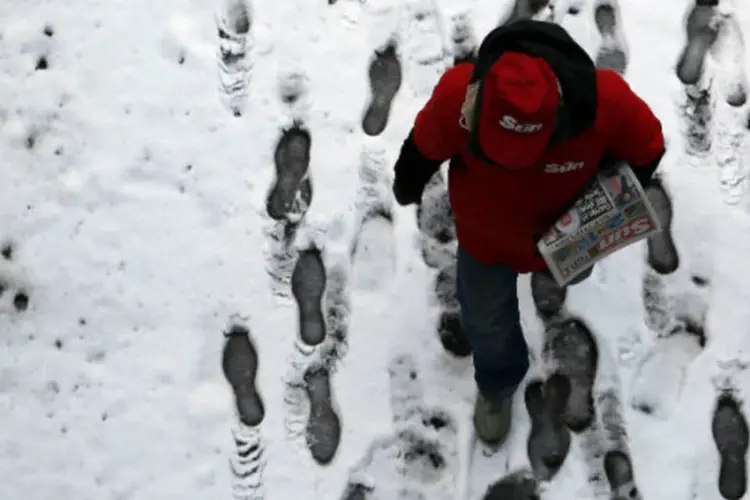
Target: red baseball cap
(518, 110)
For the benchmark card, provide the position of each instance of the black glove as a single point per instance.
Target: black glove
(643, 173)
(412, 173)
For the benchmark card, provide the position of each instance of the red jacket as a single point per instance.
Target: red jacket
(501, 213)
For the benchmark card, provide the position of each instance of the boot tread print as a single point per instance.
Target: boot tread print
(492, 420)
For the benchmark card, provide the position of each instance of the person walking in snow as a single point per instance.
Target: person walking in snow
(526, 128)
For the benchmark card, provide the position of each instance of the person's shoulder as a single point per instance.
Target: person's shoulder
(613, 90)
(451, 88)
(626, 120)
(615, 99)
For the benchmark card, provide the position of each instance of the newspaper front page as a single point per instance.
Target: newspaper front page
(612, 213)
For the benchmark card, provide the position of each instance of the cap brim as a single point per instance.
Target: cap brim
(511, 149)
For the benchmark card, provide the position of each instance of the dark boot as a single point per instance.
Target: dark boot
(492, 420)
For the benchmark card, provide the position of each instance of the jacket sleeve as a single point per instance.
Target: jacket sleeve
(437, 132)
(435, 137)
(637, 136)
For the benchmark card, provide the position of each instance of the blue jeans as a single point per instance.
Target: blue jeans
(491, 322)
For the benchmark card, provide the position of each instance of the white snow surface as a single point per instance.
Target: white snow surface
(136, 222)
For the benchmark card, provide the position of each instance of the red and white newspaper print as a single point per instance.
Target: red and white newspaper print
(611, 214)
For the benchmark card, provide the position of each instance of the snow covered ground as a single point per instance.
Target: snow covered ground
(207, 292)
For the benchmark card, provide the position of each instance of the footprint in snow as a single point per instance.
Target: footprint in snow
(571, 346)
(679, 324)
(308, 284)
(541, 10)
(662, 254)
(573, 7)
(683, 313)
(356, 491)
(728, 50)
(519, 485)
(605, 456)
(436, 225)
(697, 111)
(235, 64)
(417, 461)
(385, 81)
(437, 239)
(663, 259)
(613, 52)
(549, 440)
(337, 310)
(618, 467)
(291, 191)
(730, 147)
(562, 8)
(445, 287)
(406, 393)
(240, 367)
(373, 248)
(450, 331)
(656, 307)
(293, 87)
(548, 296)
(730, 433)
(423, 455)
(619, 471)
(451, 335)
(464, 39)
(428, 436)
(362, 492)
(324, 422)
(701, 27)
(426, 54)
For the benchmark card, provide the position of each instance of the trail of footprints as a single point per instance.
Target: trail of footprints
(323, 308)
(566, 401)
(321, 298)
(291, 192)
(437, 241)
(421, 451)
(678, 320)
(713, 62)
(372, 250)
